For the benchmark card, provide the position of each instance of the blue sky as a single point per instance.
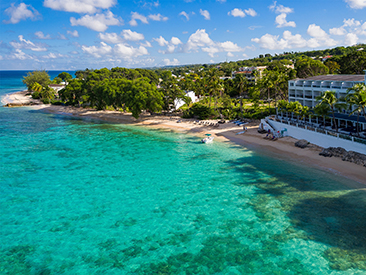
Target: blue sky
(79, 34)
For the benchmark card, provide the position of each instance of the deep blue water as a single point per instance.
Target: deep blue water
(85, 197)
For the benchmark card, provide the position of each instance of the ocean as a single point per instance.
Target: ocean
(89, 197)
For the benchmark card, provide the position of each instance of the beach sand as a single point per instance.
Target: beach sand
(282, 149)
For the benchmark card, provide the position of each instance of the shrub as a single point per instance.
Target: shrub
(201, 111)
(46, 101)
(56, 102)
(36, 95)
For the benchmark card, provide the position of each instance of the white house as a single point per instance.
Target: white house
(179, 102)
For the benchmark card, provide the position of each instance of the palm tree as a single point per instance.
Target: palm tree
(294, 107)
(322, 110)
(330, 99)
(304, 111)
(241, 83)
(356, 99)
(282, 106)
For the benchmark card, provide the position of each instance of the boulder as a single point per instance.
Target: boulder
(302, 143)
(326, 153)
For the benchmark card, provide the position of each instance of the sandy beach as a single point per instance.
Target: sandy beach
(283, 148)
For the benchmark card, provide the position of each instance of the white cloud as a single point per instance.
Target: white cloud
(146, 44)
(199, 39)
(351, 23)
(174, 62)
(240, 13)
(132, 36)
(103, 49)
(20, 12)
(18, 54)
(229, 54)
(337, 31)
(161, 41)
(205, 14)
(236, 13)
(111, 38)
(185, 15)
(320, 36)
(26, 44)
(97, 22)
(175, 41)
(136, 16)
(127, 52)
(251, 12)
(351, 39)
(282, 22)
(356, 4)
(221, 1)
(211, 50)
(158, 17)
(53, 56)
(73, 33)
(289, 41)
(40, 35)
(79, 6)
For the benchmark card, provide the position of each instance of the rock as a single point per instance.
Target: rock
(302, 143)
(326, 153)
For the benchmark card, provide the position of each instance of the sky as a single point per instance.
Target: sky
(80, 34)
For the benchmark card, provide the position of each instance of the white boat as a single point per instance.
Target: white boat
(207, 139)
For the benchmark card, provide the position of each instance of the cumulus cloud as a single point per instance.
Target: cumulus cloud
(201, 40)
(205, 14)
(356, 4)
(40, 35)
(158, 17)
(132, 36)
(136, 16)
(27, 44)
(251, 12)
(281, 20)
(127, 52)
(350, 30)
(240, 13)
(321, 38)
(73, 33)
(20, 12)
(174, 62)
(79, 6)
(290, 41)
(97, 22)
(351, 39)
(111, 38)
(53, 56)
(161, 41)
(95, 51)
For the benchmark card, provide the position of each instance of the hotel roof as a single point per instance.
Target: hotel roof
(336, 77)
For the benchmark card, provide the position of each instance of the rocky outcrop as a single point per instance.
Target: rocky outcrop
(302, 143)
(345, 155)
(20, 104)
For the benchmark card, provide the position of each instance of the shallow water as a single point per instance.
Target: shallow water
(84, 197)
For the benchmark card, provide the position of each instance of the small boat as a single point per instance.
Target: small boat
(207, 139)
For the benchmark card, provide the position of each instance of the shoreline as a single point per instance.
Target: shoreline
(283, 148)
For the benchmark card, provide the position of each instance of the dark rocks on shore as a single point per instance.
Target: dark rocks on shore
(302, 143)
(20, 104)
(345, 155)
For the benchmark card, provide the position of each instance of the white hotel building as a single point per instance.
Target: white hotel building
(306, 90)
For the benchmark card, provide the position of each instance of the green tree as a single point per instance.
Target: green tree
(41, 77)
(356, 100)
(322, 110)
(330, 99)
(75, 92)
(66, 77)
(170, 88)
(333, 66)
(307, 67)
(353, 63)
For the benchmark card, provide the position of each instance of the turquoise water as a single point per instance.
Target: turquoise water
(85, 197)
